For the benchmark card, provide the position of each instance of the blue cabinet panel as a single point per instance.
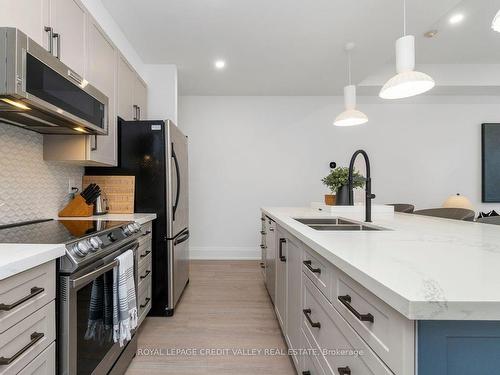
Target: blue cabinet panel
(458, 347)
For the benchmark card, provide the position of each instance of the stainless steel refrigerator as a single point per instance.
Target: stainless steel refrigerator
(156, 153)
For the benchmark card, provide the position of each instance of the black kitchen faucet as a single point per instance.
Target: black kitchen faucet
(368, 184)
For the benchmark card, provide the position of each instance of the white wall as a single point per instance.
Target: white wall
(248, 152)
(162, 91)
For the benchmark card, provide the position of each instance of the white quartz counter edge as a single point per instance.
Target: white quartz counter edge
(139, 218)
(16, 258)
(411, 309)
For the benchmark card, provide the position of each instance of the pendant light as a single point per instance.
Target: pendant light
(495, 25)
(351, 116)
(407, 82)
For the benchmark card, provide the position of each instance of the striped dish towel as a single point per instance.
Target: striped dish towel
(100, 322)
(124, 301)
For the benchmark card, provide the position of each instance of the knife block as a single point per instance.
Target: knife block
(77, 207)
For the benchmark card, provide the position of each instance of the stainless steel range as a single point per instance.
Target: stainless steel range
(84, 339)
(86, 343)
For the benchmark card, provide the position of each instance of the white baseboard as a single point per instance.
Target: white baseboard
(224, 253)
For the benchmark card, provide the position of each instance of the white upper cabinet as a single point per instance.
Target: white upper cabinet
(140, 98)
(67, 18)
(30, 16)
(102, 73)
(126, 87)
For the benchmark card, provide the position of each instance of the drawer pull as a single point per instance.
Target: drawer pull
(262, 232)
(146, 274)
(308, 263)
(35, 337)
(307, 313)
(34, 292)
(346, 301)
(306, 372)
(282, 257)
(146, 233)
(146, 254)
(263, 246)
(146, 301)
(344, 370)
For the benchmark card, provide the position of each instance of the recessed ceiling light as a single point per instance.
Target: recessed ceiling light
(431, 33)
(220, 64)
(456, 18)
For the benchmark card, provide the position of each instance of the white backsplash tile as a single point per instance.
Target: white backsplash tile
(31, 188)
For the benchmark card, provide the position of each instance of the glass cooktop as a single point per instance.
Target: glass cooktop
(53, 231)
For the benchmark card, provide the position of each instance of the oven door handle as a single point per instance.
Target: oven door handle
(92, 275)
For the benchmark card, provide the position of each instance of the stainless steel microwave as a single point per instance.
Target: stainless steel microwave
(40, 93)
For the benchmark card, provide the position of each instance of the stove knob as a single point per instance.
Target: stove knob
(137, 227)
(84, 247)
(128, 230)
(76, 251)
(96, 243)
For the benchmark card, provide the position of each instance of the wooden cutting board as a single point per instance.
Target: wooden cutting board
(119, 190)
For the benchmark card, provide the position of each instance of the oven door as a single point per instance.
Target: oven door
(86, 319)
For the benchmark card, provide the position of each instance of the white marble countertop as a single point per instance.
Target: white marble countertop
(424, 267)
(140, 218)
(16, 258)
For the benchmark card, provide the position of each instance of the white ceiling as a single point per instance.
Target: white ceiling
(295, 47)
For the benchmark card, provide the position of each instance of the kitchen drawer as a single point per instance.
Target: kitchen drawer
(390, 335)
(310, 361)
(145, 246)
(27, 339)
(25, 293)
(44, 364)
(144, 299)
(319, 271)
(337, 335)
(144, 270)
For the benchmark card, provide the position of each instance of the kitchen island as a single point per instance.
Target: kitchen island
(420, 285)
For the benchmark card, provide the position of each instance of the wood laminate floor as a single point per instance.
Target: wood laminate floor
(225, 307)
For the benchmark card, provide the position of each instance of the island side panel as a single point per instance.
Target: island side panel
(458, 347)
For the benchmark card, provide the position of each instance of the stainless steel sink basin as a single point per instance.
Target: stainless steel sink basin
(337, 224)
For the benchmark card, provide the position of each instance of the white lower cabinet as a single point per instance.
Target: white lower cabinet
(44, 364)
(281, 281)
(337, 325)
(293, 299)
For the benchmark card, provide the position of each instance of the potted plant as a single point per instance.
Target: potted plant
(337, 182)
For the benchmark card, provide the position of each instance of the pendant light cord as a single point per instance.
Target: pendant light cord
(349, 66)
(404, 17)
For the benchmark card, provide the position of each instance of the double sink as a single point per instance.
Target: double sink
(330, 224)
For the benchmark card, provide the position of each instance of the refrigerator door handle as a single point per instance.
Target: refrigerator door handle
(178, 178)
(184, 236)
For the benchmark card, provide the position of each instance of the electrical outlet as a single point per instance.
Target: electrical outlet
(71, 185)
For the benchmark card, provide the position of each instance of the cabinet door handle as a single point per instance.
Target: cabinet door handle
(307, 313)
(135, 112)
(282, 257)
(146, 233)
(57, 37)
(145, 254)
(145, 275)
(146, 301)
(139, 112)
(33, 292)
(306, 372)
(50, 31)
(271, 229)
(93, 147)
(344, 370)
(308, 264)
(263, 246)
(35, 337)
(262, 232)
(346, 301)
